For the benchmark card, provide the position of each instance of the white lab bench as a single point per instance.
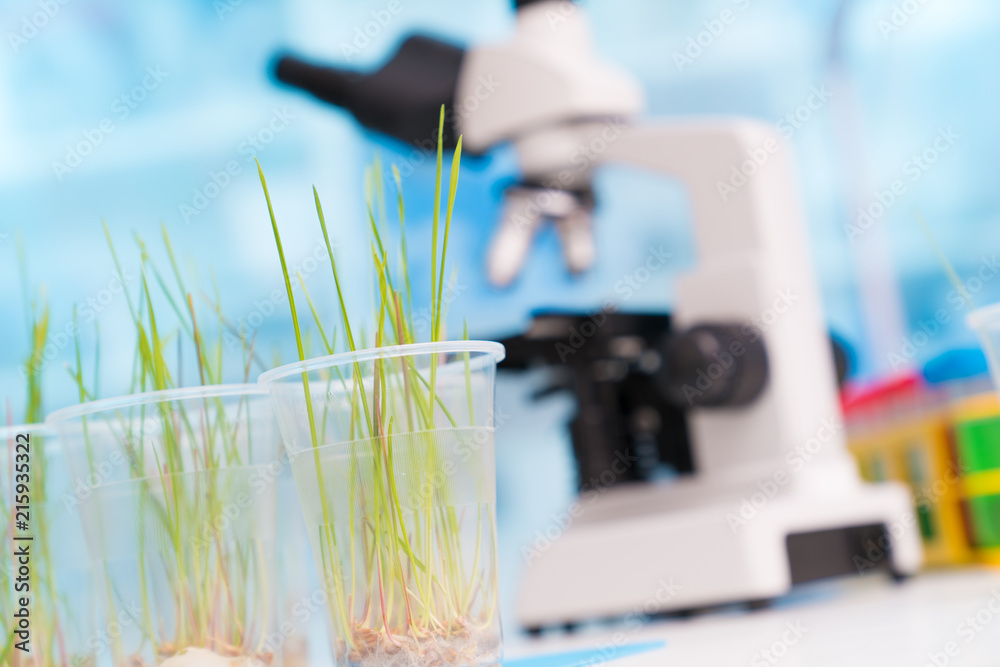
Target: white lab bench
(939, 618)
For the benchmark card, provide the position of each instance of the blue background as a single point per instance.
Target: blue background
(894, 91)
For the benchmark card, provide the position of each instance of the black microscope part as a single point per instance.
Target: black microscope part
(714, 366)
(402, 99)
(518, 4)
(634, 379)
(843, 359)
(624, 427)
(328, 84)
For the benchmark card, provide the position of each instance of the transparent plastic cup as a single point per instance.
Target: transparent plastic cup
(392, 453)
(302, 611)
(55, 580)
(178, 499)
(986, 323)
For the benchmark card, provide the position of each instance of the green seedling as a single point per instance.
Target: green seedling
(409, 573)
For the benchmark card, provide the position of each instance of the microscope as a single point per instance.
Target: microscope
(736, 388)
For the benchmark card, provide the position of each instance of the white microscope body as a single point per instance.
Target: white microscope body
(775, 499)
(774, 486)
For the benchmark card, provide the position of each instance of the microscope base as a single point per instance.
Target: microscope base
(626, 554)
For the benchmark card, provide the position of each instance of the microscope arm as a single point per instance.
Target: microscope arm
(775, 499)
(752, 269)
(701, 154)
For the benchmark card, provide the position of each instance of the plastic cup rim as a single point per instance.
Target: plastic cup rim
(147, 397)
(980, 318)
(402, 434)
(40, 428)
(496, 350)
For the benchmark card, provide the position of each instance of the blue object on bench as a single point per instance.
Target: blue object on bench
(585, 657)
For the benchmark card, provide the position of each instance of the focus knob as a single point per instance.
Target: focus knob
(714, 366)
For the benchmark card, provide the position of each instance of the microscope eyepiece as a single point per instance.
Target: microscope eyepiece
(518, 4)
(401, 99)
(329, 84)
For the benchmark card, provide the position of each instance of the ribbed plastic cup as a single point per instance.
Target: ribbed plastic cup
(54, 579)
(986, 323)
(977, 447)
(178, 498)
(392, 453)
(303, 627)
